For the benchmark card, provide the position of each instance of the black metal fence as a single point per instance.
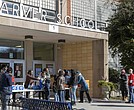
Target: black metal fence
(37, 104)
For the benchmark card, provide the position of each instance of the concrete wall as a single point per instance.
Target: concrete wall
(100, 64)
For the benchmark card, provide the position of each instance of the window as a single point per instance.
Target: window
(10, 49)
(43, 51)
(32, 2)
(49, 4)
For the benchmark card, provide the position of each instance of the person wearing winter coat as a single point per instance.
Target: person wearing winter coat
(67, 79)
(47, 83)
(55, 89)
(123, 85)
(60, 86)
(83, 88)
(5, 86)
(73, 85)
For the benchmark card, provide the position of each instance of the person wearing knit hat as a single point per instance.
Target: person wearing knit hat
(123, 84)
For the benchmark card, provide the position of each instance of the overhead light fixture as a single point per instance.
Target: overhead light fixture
(18, 46)
(61, 41)
(28, 37)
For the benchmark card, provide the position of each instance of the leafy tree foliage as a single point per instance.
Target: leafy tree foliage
(121, 32)
(113, 75)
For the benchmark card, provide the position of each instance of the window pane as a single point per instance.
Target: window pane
(43, 51)
(10, 49)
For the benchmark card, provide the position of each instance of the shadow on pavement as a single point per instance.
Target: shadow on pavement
(111, 105)
(79, 109)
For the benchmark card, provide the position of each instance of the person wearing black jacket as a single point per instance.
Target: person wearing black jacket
(123, 85)
(5, 86)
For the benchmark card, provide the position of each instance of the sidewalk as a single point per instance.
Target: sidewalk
(98, 104)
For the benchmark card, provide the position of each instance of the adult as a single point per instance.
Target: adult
(123, 85)
(6, 87)
(73, 85)
(131, 86)
(42, 84)
(67, 79)
(83, 88)
(60, 86)
(47, 83)
(55, 89)
(29, 81)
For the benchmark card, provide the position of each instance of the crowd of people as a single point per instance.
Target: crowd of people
(64, 85)
(127, 85)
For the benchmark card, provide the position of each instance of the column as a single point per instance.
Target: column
(100, 64)
(29, 54)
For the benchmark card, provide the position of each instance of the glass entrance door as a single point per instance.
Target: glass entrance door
(39, 65)
(18, 67)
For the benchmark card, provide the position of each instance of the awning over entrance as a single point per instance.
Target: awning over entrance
(17, 29)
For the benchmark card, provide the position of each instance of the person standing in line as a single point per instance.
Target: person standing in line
(131, 86)
(55, 90)
(47, 83)
(67, 79)
(73, 85)
(123, 85)
(60, 86)
(83, 88)
(6, 87)
(42, 79)
(29, 81)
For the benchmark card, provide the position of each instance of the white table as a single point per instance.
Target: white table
(22, 93)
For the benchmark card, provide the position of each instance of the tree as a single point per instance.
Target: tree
(121, 32)
(113, 75)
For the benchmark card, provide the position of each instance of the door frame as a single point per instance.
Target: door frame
(44, 63)
(11, 63)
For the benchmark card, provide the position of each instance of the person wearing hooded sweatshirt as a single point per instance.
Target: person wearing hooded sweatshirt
(83, 87)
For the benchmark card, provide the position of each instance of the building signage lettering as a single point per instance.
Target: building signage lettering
(25, 11)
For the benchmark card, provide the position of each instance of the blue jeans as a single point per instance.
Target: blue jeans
(73, 93)
(4, 100)
(61, 94)
(131, 94)
(56, 97)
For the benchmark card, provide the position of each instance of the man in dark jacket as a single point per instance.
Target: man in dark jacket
(123, 85)
(6, 86)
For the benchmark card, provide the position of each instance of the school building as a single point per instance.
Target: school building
(67, 34)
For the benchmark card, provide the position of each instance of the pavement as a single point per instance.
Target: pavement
(98, 104)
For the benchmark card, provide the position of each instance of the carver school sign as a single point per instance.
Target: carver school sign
(38, 13)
